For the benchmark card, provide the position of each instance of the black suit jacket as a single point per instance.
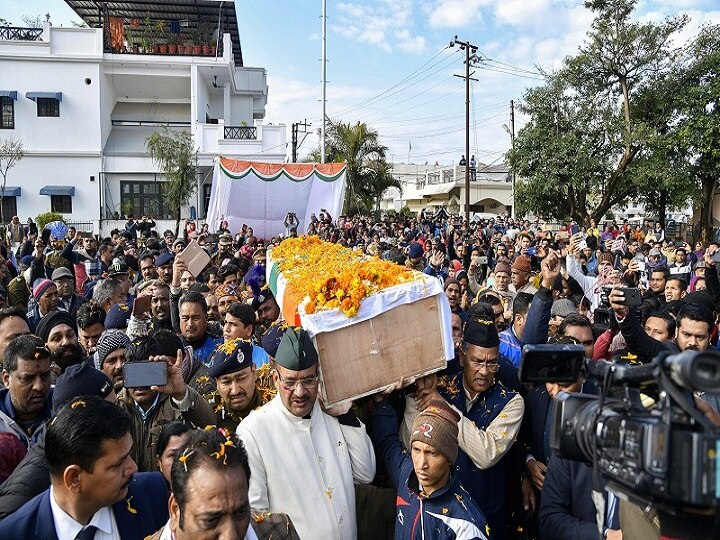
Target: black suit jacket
(567, 511)
(146, 512)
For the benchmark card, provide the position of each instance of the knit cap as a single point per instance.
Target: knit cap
(502, 266)
(110, 340)
(437, 426)
(40, 288)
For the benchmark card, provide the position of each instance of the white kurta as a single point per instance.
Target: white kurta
(307, 468)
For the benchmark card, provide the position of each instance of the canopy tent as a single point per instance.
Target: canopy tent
(261, 194)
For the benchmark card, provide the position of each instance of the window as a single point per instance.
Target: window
(62, 204)
(144, 199)
(7, 113)
(9, 206)
(48, 107)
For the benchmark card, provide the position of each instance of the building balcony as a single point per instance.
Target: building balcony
(260, 142)
(15, 33)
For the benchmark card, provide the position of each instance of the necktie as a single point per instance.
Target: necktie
(88, 533)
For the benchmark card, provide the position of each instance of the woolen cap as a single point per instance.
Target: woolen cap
(80, 380)
(40, 288)
(482, 333)
(437, 426)
(502, 266)
(296, 351)
(110, 340)
(231, 356)
(522, 264)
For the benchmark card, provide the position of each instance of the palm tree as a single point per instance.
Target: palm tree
(378, 179)
(357, 145)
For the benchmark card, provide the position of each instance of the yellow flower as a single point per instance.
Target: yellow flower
(129, 506)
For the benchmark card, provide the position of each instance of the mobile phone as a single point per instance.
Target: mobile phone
(141, 305)
(641, 266)
(144, 374)
(482, 259)
(632, 296)
(582, 244)
(716, 257)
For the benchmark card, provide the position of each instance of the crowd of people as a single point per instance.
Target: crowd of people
(232, 440)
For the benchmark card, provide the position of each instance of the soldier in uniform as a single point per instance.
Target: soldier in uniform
(237, 392)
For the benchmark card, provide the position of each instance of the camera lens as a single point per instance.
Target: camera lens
(695, 370)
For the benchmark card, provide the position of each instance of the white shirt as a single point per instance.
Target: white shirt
(67, 528)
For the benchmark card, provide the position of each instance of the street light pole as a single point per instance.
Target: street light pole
(468, 48)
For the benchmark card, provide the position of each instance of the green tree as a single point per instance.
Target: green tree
(358, 146)
(379, 179)
(697, 118)
(585, 132)
(174, 152)
(11, 152)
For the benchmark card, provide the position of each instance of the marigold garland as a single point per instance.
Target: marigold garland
(333, 276)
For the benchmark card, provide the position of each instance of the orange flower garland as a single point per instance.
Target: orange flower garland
(333, 276)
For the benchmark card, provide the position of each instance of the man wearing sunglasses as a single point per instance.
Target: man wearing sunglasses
(303, 460)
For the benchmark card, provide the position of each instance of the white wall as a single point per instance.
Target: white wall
(35, 172)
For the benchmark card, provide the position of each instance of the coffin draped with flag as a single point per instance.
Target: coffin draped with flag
(403, 330)
(261, 194)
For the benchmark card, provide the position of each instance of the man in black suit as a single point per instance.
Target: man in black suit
(94, 489)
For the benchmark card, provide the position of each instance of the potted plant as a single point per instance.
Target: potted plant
(132, 40)
(180, 44)
(173, 43)
(197, 42)
(146, 34)
(161, 32)
(205, 38)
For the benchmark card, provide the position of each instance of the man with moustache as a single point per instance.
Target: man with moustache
(65, 283)
(237, 393)
(490, 419)
(94, 491)
(111, 356)
(59, 332)
(303, 460)
(25, 401)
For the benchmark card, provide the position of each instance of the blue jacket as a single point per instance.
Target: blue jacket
(487, 487)
(9, 424)
(149, 492)
(510, 346)
(448, 513)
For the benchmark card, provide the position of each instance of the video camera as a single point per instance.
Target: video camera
(666, 456)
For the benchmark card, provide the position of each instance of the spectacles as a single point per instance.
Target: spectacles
(489, 366)
(308, 383)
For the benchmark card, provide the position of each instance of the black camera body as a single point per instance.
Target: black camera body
(666, 456)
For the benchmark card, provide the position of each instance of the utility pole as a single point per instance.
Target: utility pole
(469, 49)
(295, 130)
(323, 60)
(512, 145)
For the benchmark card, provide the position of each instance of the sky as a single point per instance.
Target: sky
(390, 65)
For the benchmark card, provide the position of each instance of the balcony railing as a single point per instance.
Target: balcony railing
(15, 33)
(240, 132)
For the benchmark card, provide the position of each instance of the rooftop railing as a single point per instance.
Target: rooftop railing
(16, 33)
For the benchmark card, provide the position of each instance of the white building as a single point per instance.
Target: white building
(84, 100)
(433, 187)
